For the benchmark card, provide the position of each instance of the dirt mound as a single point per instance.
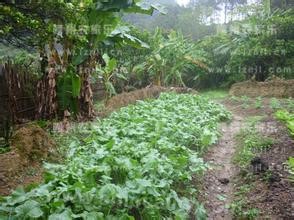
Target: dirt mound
(274, 88)
(127, 98)
(21, 166)
(32, 143)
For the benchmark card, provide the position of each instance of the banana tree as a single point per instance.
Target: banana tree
(107, 73)
(170, 57)
(67, 34)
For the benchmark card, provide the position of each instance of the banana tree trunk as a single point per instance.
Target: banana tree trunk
(86, 105)
(46, 91)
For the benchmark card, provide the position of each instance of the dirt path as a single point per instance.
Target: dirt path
(218, 186)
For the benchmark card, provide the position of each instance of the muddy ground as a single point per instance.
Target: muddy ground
(274, 198)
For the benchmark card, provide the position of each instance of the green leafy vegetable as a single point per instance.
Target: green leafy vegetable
(138, 163)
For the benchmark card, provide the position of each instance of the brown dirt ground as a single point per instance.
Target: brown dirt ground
(22, 165)
(217, 189)
(275, 198)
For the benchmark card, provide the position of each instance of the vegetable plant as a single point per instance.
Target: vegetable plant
(136, 164)
(287, 118)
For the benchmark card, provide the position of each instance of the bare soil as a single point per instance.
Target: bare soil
(217, 191)
(273, 197)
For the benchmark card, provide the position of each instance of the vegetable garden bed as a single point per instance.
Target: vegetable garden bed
(136, 164)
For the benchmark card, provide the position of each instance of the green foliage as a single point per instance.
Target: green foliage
(275, 104)
(215, 94)
(258, 103)
(257, 46)
(157, 64)
(260, 45)
(138, 163)
(240, 210)
(290, 164)
(245, 101)
(69, 34)
(107, 73)
(216, 56)
(164, 66)
(250, 144)
(68, 90)
(287, 118)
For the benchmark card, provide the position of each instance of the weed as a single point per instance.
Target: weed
(245, 102)
(258, 103)
(250, 144)
(235, 98)
(215, 94)
(240, 210)
(99, 106)
(32, 171)
(240, 207)
(290, 164)
(290, 104)
(252, 121)
(42, 124)
(275, 104)
(267, 176)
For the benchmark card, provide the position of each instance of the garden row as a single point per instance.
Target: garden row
(136, 164)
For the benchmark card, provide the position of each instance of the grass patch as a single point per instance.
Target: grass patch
(99, 106)
(215, 94)
(250, 144)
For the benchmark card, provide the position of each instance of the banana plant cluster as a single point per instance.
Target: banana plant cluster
(68, 50)
(170, 58)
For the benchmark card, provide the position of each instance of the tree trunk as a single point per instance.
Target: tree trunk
(86, 106)
(46, 91)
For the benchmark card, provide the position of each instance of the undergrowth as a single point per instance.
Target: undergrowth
(250, 144)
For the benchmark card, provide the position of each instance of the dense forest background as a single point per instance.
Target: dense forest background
(237, 40)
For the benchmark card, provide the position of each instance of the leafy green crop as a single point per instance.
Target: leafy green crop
(136, 164)
(290, 164)
(287, 118)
